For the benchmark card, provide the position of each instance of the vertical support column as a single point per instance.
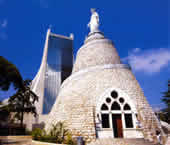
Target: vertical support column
(110, 122)
(123, 123)
(134, 120)
(123, 120)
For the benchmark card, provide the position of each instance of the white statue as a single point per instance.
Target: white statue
(94, 21)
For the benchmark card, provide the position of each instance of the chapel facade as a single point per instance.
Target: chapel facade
(101, 98)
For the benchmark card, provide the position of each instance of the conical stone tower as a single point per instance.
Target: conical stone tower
(102, 97)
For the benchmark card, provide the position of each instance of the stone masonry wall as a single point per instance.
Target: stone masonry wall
(96, 52)
(77, 99)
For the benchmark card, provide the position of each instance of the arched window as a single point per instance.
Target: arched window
(127, 107)
(105, 116)
(121, 100)
(128, 121)
(108, 100)
(115, 106)
(105, 121)
(104, 107)
(114, 94)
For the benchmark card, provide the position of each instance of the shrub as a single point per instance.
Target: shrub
(57, 134)
(58, 130)
(37, 133)
(48, 138)
(69, 140)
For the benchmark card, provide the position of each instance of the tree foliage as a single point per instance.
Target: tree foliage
(23, 101)
(166, 100)
(9, 74)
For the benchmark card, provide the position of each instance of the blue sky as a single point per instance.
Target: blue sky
(139, 29)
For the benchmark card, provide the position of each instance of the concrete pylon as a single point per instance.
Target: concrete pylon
(56, 66)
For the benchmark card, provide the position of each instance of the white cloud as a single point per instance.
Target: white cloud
(136, 50)
(3, 26)
(4, 23)
(149, 61)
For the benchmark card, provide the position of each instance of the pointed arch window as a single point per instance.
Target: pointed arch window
(105, 121)
(104, 107)
(114, 94)
(128, 121)
(127, 107)
(115, 106)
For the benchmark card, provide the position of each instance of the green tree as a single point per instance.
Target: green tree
(23, 101)
(166, 100)
(9, 74)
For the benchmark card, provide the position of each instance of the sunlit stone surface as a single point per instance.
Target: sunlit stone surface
(100, 79)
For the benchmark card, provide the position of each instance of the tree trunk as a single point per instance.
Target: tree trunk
(22, 117)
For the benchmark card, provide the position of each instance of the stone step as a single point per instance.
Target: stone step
(111, 141)
(15, 142)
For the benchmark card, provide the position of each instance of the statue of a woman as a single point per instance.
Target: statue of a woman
(94, 22)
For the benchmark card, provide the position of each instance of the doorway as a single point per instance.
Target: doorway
(117, 125)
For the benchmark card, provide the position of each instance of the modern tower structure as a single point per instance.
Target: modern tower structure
(102, 98)
(56, 66)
